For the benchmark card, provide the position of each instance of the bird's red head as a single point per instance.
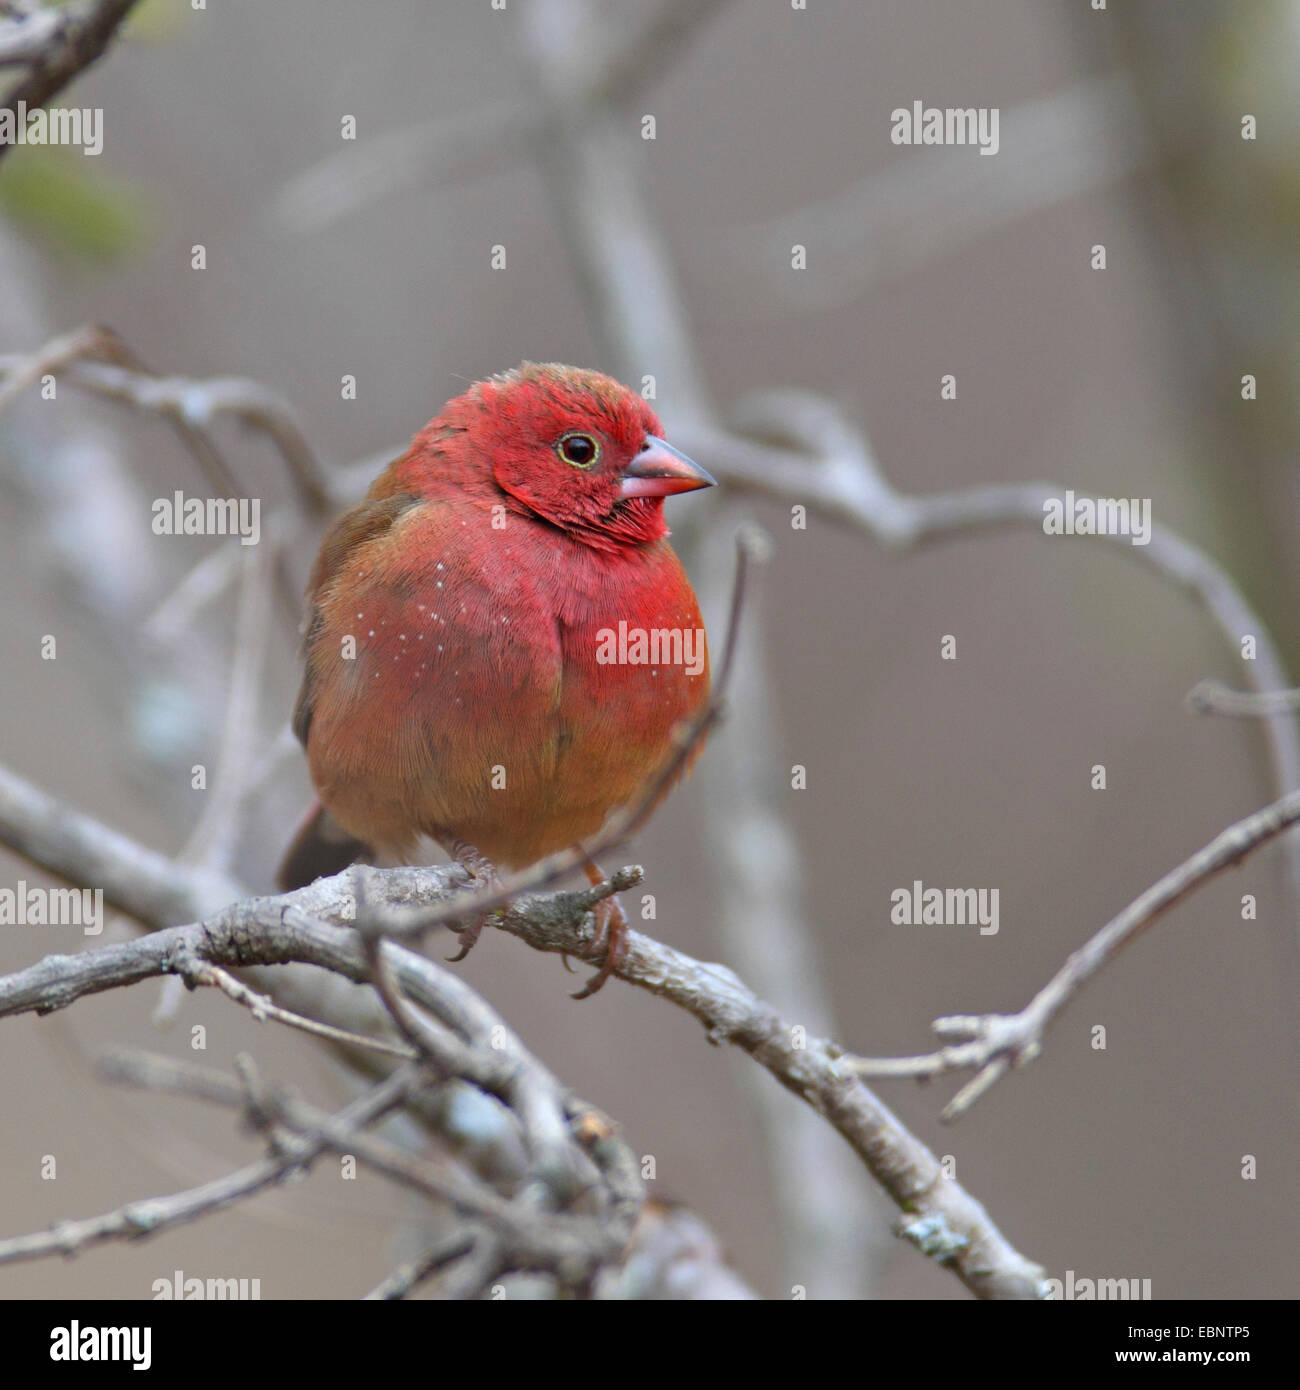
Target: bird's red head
(571, 446)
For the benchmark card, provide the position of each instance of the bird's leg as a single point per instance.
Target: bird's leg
(611, 934)
(483, 874)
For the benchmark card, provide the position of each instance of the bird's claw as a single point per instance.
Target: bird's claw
(484, 875)
(611, 935)
(468, 938)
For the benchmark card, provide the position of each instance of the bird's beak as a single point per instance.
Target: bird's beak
(660, 470)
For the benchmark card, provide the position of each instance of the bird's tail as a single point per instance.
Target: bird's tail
(320, 846)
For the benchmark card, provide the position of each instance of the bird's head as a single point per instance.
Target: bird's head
(573, 447)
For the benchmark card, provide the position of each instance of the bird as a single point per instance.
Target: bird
(501, 645)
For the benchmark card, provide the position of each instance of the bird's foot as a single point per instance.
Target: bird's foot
(483, 875)
(611, 937)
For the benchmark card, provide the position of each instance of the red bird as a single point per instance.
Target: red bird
(501, 640)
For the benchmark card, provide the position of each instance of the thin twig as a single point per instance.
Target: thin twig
(1214, 697)
(846, 483)
(991, 1044)
(942, 1219)
(70, 47)
(154, 1214)
(262, 1007)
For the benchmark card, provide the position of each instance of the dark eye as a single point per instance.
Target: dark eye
(581, 450)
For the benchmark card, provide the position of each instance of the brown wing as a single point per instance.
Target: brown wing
(368, 519)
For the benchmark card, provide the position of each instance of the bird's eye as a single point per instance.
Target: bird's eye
(578, 449)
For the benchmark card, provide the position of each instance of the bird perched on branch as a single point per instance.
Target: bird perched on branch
(501, 642)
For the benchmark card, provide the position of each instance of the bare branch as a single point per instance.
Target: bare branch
(153, 1214)
(910, 213)
(148, 886)
(813, 1069)
(297, 927)
(481, 143)
(69, 46)
(843, 480)
(992, 1044)
(1214, 697)
(262, 1007)
(192, 406)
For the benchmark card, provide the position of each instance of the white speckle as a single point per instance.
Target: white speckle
(371, 633)
(440, 648)
(440, 583)
(441, 565)
(401, 637)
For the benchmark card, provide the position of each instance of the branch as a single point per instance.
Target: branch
(66, 47)
(843, 481)
(992, 1044)
(154, 1214)
(910, 213)
(941, 1219)
(483, 142)
(1213, 697)
(191, 405)
(528, 1237)
(303, 926)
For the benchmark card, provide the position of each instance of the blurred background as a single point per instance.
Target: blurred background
(374, 258)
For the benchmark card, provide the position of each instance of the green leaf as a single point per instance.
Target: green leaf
(59, 198)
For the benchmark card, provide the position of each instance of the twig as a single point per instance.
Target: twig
(910, 213)
(69, 47)
(294, 928)
(262, 1007)
(832, 1232)
(991, 1044)
(153, 1214)
(20, 373)
(1214, 697)
(148, 886)
(571, 1246)
(846, 484)
(407, 1277)
(211, 840)
(942, 1220)
(193, 405)
(483, 142)
(27, 34)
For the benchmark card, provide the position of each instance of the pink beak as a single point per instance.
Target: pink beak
(659, 470)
